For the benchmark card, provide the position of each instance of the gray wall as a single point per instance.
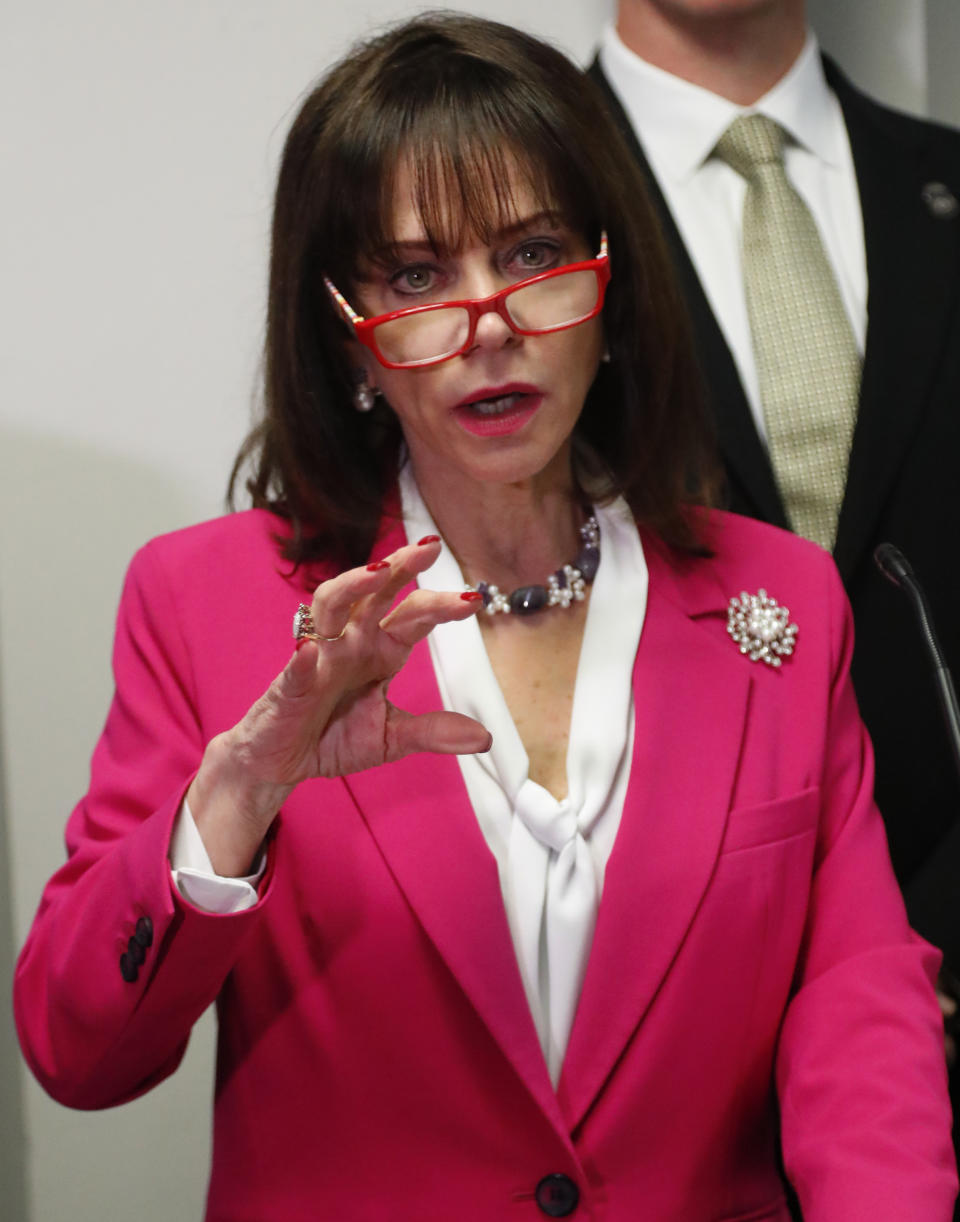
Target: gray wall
(13, 1179)
(880, 44)
(904, 52)
(943, 52)
(138, 145)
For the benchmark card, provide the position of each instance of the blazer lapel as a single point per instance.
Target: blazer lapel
(661, 864)
(912, 264)
(753, 487)
(418, 812)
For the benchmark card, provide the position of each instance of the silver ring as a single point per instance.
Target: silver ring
(303, 627)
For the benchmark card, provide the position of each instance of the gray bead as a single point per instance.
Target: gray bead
(528, 599)
(587, 561)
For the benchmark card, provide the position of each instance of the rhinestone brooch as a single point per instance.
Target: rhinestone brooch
(761, 627)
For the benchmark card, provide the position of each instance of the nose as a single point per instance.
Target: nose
(492, 329)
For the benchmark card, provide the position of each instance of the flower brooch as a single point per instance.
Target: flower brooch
(761, 627)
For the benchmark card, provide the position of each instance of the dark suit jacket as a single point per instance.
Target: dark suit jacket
(903, 475)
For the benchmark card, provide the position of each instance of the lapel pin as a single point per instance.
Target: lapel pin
(940, 200)
(761, 627)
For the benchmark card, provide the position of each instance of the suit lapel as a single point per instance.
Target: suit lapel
(912, 264)
(753, 488)
(418, 812)
(673, 822)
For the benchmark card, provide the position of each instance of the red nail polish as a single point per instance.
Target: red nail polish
(471, 596)
(428, 539)
(376, 565)
(300, 644)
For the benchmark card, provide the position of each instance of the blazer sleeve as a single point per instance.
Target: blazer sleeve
(101, 1021)
(860, 1071)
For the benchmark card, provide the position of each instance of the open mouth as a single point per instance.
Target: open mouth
(498, 414)
(493, 407)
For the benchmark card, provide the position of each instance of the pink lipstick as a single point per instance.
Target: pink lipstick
(498, 411)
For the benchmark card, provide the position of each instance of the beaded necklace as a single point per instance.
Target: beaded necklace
(564, 586)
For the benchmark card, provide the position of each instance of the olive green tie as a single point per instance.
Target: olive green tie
(807, 360)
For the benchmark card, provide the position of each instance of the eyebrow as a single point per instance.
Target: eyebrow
(393, 250)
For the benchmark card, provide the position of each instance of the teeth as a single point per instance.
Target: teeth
(490, 407)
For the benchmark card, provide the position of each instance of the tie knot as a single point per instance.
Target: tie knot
(750, 142)
(551, 822)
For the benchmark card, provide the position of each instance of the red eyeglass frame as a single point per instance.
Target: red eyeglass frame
(476, 307)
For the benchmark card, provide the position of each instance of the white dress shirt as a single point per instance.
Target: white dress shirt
(678, 124)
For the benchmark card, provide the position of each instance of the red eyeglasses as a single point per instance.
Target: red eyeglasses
(425, 335)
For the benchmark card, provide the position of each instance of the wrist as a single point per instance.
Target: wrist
(232, 807)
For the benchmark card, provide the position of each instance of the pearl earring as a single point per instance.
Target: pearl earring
(364, 395)
(364, 398)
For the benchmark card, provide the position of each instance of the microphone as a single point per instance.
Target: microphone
(894, 565)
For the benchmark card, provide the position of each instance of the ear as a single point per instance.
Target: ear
(362, 363)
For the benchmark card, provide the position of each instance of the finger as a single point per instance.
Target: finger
(442, 733)
(334, 599)
(420, 612)
(406, 563)
(378, 583)
(299, 675)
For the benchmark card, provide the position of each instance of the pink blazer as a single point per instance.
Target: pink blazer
(752, 966)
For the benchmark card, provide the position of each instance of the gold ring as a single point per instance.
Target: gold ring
(303, 627)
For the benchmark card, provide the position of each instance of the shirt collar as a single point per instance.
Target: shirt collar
(679, 123)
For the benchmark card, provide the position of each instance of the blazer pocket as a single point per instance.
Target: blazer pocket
(748, 827)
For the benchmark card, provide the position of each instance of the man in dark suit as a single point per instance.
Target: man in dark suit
(884, 192)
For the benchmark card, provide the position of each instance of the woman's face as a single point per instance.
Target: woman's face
(504, 410)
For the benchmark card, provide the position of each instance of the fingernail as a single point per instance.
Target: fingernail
(300, 644)
(471, 596)
(428, 539)
(376, 565)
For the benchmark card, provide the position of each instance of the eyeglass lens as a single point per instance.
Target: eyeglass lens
(544, 306)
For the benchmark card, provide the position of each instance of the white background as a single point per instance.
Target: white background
(139, 143)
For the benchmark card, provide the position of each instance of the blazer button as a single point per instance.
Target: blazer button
(128, 969)
(557, 1196)
(144, 932)
(135, 952)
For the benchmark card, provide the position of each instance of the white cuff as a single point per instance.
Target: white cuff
(194, 875)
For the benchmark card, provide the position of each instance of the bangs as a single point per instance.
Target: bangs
(462, 191)
(465, 141)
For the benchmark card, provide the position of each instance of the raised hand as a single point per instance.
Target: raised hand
(327, 713)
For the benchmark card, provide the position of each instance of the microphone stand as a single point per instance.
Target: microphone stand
(896, 568)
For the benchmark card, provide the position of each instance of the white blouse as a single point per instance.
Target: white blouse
(550, 855)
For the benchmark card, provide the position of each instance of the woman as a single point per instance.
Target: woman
(640, 939)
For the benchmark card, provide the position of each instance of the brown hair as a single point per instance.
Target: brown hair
(466, 102)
